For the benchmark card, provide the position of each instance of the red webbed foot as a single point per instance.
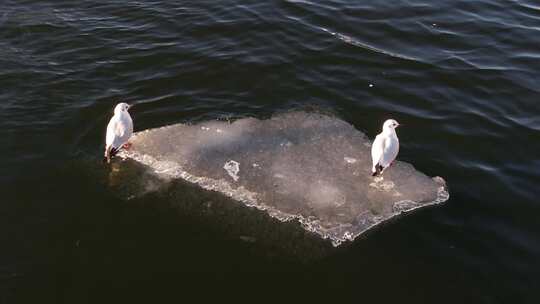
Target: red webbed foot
(127, 145)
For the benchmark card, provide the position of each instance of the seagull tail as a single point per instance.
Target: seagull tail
(110, 152)
(377, 170)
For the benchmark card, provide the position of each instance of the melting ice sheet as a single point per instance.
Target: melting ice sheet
(304, 166)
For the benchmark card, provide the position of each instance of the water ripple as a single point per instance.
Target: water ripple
(461, 75)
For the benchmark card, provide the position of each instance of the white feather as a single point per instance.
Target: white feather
(119, 129)
(385, 147)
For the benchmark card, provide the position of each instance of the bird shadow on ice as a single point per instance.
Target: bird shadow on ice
(130, 180)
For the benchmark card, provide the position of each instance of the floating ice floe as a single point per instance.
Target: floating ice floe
(309, 167)
(232, 167)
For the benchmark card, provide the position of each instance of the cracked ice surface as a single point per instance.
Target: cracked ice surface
(304, 166)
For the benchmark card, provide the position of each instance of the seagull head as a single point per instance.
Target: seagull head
(120, 108)
(390, 124)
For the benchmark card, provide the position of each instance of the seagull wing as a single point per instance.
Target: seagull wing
(119, 130)
(377, 149)
(390, 151)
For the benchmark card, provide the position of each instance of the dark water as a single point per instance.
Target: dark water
(461, 75)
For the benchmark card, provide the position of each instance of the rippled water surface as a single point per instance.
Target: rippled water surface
(462, 76)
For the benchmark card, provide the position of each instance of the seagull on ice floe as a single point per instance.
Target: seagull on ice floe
(385, 147)
(119, 131)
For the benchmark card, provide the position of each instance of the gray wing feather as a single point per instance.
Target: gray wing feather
(119, 131)
(390, 151)
(377, 149)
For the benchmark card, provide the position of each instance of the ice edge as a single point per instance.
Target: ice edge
(174, 170)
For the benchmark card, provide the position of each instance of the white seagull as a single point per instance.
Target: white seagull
(119, 131)
(385, 147)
